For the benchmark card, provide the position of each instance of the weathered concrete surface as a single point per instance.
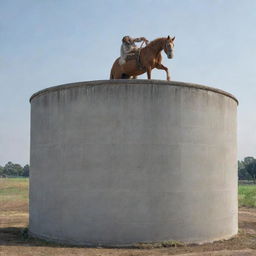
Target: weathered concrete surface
(126, 161)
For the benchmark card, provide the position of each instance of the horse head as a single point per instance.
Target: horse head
(168, 47)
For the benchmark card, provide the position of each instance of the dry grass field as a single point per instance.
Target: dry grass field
(14, 241)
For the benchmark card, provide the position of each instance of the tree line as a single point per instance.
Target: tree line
(247, 169)
(14, 170)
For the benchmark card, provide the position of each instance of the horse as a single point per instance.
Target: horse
(149, 58)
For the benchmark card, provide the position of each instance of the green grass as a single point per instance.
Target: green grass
(247, 195)
(13, 188)
(17, 189)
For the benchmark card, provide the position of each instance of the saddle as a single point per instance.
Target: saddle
(135, 56)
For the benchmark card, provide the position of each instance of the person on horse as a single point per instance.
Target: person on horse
(129, 47)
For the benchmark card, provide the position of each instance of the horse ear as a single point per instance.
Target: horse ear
(173, 38)
(168, 37)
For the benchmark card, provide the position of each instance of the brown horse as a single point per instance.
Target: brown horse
(149, 58)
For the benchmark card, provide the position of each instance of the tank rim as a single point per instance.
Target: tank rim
(131, 82)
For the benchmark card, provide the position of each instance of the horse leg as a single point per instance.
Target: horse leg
(134, 77)
(149, 72)
(161, 66)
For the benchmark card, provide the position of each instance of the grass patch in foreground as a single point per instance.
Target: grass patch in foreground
(247, 195)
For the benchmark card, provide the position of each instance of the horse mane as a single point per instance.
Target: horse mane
(154, 42)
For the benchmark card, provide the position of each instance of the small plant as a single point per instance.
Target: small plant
(170, 243)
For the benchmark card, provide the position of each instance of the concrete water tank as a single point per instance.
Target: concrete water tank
(118, 162)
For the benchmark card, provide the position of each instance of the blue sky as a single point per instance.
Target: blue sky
(52, 42)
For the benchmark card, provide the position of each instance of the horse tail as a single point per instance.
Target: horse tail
(111, 75)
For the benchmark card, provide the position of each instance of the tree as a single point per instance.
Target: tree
(9, 169)
(249, 164)
(26, 170)
(242, 172)
(18, 169)
(248, 160)
(1, 170)
(251, 169)
(12, 169)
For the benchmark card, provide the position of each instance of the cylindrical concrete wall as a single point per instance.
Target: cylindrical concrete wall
(125, 161)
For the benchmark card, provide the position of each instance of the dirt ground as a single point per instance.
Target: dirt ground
(14, 218)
